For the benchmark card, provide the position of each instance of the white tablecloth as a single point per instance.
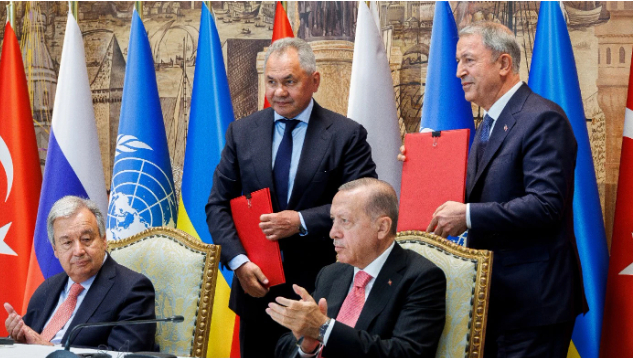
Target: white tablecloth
(36, 351)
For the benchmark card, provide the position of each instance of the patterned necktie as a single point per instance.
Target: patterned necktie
(353, 304)
(63, 313)
(281, 170)
(484, 136)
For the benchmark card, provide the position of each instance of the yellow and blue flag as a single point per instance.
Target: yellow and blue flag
(553, 75)
(211, 113)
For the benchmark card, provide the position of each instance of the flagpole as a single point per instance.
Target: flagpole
(73, 8)
(138, 5)
(11, 13)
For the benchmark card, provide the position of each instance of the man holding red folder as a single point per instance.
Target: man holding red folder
(519, 191)
(303, 153)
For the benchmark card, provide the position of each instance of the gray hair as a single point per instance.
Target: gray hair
(382, 199)
(497, 38)
(307, 61)
(69, 206)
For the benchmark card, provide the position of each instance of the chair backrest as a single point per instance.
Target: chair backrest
(467, 290)
(184, 272)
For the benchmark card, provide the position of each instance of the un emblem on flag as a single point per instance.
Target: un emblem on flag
(142, 193)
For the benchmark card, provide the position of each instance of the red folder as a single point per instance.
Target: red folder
(246, 211)
(434, 172)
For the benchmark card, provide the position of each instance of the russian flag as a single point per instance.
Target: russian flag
(73, 162)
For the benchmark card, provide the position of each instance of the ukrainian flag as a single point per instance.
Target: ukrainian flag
(211, 113)
(553, 75)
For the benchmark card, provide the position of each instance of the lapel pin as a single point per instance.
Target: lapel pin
(505, 128)
(389, 282)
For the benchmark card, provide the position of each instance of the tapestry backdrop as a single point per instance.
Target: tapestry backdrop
(600, 31)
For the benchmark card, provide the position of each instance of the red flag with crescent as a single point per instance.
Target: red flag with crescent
(617, 325)
(20, 176)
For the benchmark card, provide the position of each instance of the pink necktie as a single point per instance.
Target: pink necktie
(63, 313)
(353, 304)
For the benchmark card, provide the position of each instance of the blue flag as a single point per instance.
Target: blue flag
(142, 189)
(444, 105)
(553, 75)
(211, 113)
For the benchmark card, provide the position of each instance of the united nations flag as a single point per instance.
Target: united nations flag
(142, 189)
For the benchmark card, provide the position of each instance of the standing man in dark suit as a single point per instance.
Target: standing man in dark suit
(303, 153)
(93, 288)
(519, 191)
(388, 302)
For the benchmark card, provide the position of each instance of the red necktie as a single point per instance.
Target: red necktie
(63, 313)
(353, 304)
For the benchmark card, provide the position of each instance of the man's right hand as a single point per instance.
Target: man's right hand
(252, 279)
(14, 324)
(402, 157)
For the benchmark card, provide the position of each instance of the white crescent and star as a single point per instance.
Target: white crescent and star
(7, 164)
(629, 269)
(4, 248)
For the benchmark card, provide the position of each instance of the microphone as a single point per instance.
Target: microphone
(66, 353)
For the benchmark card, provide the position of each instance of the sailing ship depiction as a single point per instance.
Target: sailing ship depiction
(582, 13)
(244, 9)
(246, 30)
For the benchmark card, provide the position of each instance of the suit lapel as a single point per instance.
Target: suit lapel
(315, 146)
(384, 288)
(338, 291)
(261, 141)
(502, 128)
(98, 291)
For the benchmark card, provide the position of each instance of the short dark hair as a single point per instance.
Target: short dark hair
(382, 200)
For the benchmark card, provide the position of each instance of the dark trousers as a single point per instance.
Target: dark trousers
(550, 341)
(258, 332)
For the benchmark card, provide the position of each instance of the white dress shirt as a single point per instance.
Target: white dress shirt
(373, 269)
(494, 113)
(57, 340)
(298, 137)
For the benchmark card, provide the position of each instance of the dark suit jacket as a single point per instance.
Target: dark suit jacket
(521, 208)
(335, 151)
(117, 294)
(403, 316)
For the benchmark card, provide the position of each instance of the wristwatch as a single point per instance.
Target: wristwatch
(323, 329)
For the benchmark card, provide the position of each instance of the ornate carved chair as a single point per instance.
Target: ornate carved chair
(183, 271)
(468, 284)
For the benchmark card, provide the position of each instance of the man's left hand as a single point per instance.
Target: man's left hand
(280, 225)
(303, 317)
(449, 219)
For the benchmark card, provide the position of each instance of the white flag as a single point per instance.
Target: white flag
(372, 100)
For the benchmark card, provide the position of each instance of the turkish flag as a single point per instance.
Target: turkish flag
(281, 29)
(20, 176)
(617, 327)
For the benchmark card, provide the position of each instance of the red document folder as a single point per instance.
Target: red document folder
(434, 172)
(246, 211)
